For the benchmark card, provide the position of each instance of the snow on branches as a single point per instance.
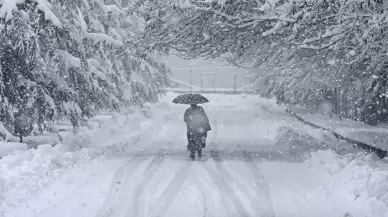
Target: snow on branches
(297, 44)
(74, 56)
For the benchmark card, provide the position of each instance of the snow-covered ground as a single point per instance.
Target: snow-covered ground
(259, 162)
(372, 135)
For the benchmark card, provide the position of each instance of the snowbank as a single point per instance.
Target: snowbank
(302, 140)
(23, 173)
(290, 141)
(349, 182)
(328, 184)
(358, 183)
(352, 183)
(376, 136)
(11, 147)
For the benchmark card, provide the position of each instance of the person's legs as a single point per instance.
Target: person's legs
(203, 139)
(199, 152)
(197, 142)
(191, 145)
(188, 139)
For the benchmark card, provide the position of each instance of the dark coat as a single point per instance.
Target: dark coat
(196, 120)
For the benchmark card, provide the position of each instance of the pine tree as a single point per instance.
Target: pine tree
(68, 60)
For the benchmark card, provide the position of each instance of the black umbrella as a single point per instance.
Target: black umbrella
(190, 98)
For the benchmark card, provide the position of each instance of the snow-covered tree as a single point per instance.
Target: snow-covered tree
(70, 58)
(297, 44)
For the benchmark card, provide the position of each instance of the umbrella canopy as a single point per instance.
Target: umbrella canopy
(190, 99)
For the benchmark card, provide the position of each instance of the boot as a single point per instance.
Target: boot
(192, 154)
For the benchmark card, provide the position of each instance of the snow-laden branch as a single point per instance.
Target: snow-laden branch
(102, 37)
(8, 7)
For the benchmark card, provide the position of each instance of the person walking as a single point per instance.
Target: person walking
(198, 125)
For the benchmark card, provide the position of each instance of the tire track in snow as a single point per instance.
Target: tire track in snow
(241, 184)
(220, 181)
(172, 190)
(264, 206)
(205, 209)
(118, 186)
(138, 196)
(226, 203)
(201, 185)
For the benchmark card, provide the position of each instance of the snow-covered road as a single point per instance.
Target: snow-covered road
(248, 169)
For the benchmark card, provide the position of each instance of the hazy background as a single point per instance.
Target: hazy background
(224, 74)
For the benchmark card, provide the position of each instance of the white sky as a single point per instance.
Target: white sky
(224, 74)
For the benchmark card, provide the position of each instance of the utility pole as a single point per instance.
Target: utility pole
(201, 83)
(214, 82)
(235, 83)
(191, 79)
